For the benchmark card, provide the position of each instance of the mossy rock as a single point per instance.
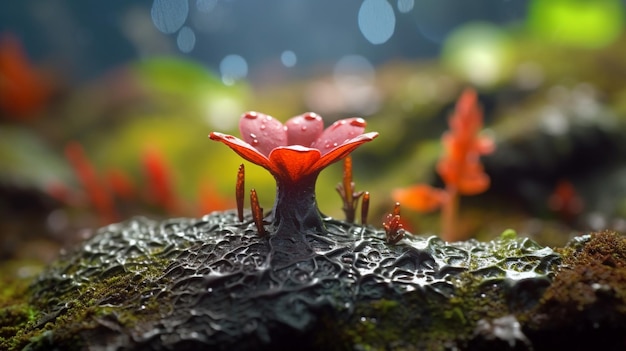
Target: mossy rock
(213, 283)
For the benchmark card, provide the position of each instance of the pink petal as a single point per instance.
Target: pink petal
(338, 133)
(291, 163)
(304, 129)
(344, 149)
(242, 148)
(262, 132)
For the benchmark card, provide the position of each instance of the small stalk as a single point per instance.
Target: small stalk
(257, 213)
(239, 191)
(449, 214)
(365, 207)
(346, 191)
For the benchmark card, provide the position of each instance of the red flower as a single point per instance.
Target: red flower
(295, 153)
(299, 148)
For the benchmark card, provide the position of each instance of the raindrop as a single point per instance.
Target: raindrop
(311, 116)
(377, 21)
(303, 128)
(186, 39)
(252, 135)
(262, 127)
(255, 142)
(251, 115)
(169, 15)
(233, 68)
(288, 58)
(359, 122)
(405, 6)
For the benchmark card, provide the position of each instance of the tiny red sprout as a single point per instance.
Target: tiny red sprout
(239, 191)
(257, 213)
(121, 184)
(160, 180)
(98, 195)
(565, 201)
(394, 230)
(346, 191)
(365, 207)
(396, 209)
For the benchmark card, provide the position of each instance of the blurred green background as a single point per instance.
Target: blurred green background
(131, 80)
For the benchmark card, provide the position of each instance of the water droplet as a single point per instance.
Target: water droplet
(251, 115)
(255, 142)
(303, 128)
(359, 122)
(252, 135)
(330, 145)
(262, 127)
(311, 116)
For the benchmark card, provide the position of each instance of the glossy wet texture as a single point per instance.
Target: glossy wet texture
(213, 282)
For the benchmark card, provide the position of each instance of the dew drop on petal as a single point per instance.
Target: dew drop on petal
(303, 128)
(262, 127)
(255, 142)
(358, 122)
(311, 116)
(251, 115)
(252, 135)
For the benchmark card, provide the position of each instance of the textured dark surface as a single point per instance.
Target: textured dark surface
(214, 282)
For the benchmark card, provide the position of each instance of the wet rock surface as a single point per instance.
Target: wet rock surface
(213, 282)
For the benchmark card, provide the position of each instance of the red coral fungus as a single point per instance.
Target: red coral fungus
(459, 167)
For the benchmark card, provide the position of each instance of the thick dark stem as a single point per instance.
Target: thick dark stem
(295, 209)
(295, 213)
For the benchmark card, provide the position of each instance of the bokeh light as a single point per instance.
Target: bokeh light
(186, 39)
(377, 21)
(288, 58)
(480, 52)
(169, 16)
(589, 24)
(233, 68)
(405, 6)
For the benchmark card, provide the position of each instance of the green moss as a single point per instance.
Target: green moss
(443, 322)
(15, 311)
(88, 307)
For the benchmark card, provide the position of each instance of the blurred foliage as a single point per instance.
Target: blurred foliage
(577, 23)
(533, 85)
